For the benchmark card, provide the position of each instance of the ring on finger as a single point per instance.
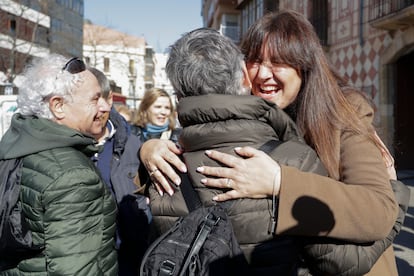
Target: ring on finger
(228, 183)
(153, 172)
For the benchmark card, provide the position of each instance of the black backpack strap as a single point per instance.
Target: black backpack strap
(192, 200)
(208, 225)
(270, 145)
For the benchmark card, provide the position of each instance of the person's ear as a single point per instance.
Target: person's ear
(246, 80)
(110, 98)
(56, 107)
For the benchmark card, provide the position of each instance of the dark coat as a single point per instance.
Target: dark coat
(223, 122)
(134, 214)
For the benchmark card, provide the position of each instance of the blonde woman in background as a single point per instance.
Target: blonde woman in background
(155, 117)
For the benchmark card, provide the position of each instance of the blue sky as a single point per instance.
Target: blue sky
(160, 22)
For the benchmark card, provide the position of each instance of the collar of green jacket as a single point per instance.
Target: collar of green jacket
(31, 134)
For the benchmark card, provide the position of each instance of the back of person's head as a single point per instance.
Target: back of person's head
(205, 62)
(125, 111)
(102, 80)
(53, 75)
(141, 118)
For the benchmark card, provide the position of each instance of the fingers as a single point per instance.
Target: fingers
(159, 157)
(230, 160)
(162, 175)
(173, 159)
(233, 194)
(158, 188)
(173, 147)
(223, 183)
(247, 152)
(225, 158)
(220, 172)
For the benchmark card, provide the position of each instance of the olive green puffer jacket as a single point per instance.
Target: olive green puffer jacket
(68, 208)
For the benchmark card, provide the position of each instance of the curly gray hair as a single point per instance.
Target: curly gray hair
(42, 79)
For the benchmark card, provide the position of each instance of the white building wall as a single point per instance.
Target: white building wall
(161, 79)
(119, 59)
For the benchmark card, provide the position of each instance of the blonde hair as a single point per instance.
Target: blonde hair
(150, 96)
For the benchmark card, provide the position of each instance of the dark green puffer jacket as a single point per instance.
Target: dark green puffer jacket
(69, 210)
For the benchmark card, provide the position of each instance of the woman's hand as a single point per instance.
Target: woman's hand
(388, 159)
(255, 175)
(158, 157)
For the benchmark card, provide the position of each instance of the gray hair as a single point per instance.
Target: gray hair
(102, 80)
(205, 62)
(44, 78)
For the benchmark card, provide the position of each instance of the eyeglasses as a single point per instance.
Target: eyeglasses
(74, 66)
(267, 64)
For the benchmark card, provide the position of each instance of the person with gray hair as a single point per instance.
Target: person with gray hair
(118, 164)
(204, 62)
(216, 110)
(69, 211)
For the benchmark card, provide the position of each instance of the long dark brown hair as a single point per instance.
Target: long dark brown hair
(321, 107)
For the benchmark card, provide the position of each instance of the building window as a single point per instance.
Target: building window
(42, 35)
(88, 61)
(131, 88)
(12, 26)
(132, 67)
(149, 86)
(106, 65)
(230, 27)
(319, 20)
(271, 6)
(254, 10)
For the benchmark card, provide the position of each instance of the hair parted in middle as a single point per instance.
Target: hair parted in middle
(321, 107)
(150, 96)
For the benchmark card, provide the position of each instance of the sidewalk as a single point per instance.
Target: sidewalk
(404, 243)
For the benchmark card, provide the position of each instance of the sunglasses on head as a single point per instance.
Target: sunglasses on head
(74, 66)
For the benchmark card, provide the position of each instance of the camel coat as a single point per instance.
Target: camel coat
(311, 204)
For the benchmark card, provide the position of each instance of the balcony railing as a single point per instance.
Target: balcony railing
(386, 8)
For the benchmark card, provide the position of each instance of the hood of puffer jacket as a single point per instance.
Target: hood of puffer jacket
(218, 119)
(30, 134)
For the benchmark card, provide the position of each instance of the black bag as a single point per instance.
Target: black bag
(201, 243)
(15, 237)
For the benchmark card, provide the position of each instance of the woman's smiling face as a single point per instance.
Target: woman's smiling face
(159, 111)
(278, 83)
